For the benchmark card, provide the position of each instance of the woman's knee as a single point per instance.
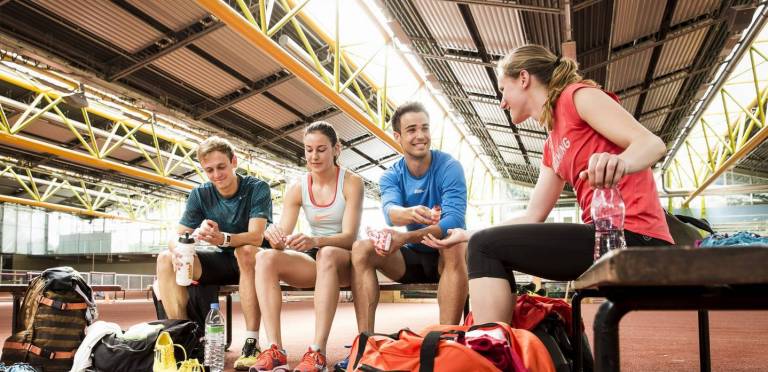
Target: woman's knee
(330, 258)
(165, 261)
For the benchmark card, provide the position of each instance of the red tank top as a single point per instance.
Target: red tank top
(567, 150)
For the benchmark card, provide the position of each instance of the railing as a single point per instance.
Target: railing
(129, 282)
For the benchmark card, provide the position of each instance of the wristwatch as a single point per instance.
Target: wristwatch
(227, 240)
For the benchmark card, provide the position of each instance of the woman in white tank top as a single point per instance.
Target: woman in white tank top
(332, 200)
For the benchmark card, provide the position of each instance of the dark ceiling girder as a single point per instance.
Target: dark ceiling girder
(298, 125)
(253, 89)
(474, 33)
(511, 5)
(626, 50)
(666, 20)
(170, 42)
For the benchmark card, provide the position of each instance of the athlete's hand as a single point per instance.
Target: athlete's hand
(455, 236)
(420, 214)
(301, 242)
(275, 236)
(604, 170)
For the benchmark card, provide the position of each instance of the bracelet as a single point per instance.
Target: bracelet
(227, 240)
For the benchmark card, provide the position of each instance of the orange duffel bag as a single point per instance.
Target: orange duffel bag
(437, 349)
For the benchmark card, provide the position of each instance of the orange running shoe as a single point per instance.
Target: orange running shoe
(312, 361)
(272, 359)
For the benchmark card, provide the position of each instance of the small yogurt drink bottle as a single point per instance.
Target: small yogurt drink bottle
(185, 249)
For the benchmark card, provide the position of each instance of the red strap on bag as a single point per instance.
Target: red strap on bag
(44, 353)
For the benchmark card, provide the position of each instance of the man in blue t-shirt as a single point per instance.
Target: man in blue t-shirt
(230, 211)
(410, 190)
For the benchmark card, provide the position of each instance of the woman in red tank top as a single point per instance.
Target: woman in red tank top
(593, 142)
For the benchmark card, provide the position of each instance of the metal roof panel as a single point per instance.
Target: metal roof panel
(628, 71)
(237, 53)
(445, 24)
(680, 52)
(663, 95)
(175, 14)
(197, 72)
(108, 21)
(266, 111)
(633, 19)
(473, 78)
(303, 98)
(687, 9)
(501, 29)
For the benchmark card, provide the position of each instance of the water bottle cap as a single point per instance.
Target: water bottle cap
(215, 306)
(186, 239)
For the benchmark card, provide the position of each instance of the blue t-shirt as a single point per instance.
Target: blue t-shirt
(252, 200)
(443, 184)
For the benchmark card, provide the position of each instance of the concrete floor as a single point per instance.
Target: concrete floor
(650, 341)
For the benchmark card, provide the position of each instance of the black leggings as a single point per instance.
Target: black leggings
(557, 251)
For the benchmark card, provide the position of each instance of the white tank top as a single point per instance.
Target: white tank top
(324, 220)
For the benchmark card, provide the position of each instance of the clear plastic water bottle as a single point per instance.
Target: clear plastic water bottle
(214, 339)
(608, 216)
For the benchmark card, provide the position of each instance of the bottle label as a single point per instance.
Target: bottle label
(214, 329)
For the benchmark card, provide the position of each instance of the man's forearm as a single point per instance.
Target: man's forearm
(398, 217)
(254, 238)
(417, 236)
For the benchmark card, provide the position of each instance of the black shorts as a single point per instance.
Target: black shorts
(420, 266)
(220, 267)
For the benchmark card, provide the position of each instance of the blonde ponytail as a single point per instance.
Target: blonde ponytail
(553, 71)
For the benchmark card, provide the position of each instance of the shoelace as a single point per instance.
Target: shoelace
(313, 358)
(191, 365)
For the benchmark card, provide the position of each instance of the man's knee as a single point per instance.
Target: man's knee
(362, 251)
(246, 257)
(455, 257)
(165, 262)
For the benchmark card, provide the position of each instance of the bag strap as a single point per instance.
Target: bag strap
(362, 341)
(43, 353)
(56, 304)
(428, 351)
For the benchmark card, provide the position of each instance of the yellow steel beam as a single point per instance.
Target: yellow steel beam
(240, 25)
(753, 142)
(61, 208)
(85, 159)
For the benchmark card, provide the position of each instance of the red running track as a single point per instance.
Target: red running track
(650, 341)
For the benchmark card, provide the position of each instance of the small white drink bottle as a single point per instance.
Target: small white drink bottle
(185, 249)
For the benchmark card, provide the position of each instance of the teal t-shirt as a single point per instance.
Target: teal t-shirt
(252, 200)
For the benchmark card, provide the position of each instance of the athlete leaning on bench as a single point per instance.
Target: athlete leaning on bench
(332, 200)
(231, 212)
(592, 142)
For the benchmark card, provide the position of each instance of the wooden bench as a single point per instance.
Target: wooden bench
(228, 290)
(17, 291)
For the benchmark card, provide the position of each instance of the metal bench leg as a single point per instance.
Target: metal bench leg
(16, 308)
(606, 329)
(229, 320)
(578, 363)
(704, 357)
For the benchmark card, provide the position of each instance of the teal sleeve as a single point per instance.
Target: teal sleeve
(261, 202)
(193, 213)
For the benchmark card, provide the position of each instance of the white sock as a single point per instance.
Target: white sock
(315, 347)
(254, 335)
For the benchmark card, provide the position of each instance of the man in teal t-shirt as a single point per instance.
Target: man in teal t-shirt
(410, 190)
(230, 211)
